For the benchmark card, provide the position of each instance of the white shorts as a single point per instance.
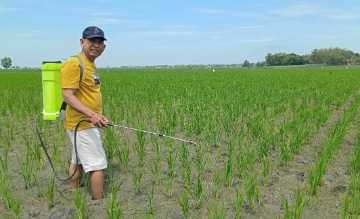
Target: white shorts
(91, 153)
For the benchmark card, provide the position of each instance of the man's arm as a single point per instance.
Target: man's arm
(95, 118)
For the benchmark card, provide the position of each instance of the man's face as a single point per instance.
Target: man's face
(92, 47)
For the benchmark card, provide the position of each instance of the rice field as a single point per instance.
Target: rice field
(271, 143)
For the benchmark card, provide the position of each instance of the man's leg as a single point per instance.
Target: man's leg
(97, 184)
(74, 182)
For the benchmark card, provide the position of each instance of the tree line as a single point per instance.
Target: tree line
(328, 56)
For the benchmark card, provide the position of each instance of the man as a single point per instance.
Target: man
(82, 94)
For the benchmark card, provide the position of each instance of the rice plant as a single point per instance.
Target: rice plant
(171, 158)
(238, 204)
(113, 208)
(155, 165)
(137, 180)
(184, 202)
(252, 190)
(123, 156)
(50, 193)
(27, 169)
(217, 210)
(110, 143)
(199, 191)
(150, 201)
(140, 148)
(80, 205)
(217, 182)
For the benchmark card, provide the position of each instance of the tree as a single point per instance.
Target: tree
(333, 56)
(260, 64)
(6, 62)
(246, 64)
(285, 59)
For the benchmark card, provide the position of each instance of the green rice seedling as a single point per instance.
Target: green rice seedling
(351, 202)
(140, 148)
(228, 172)
(199, 159)
(315, 176)
(113, 208)
(264, 148)
(299, 204)
(286, 209)
(10, 202)
(155, 172)
(252, 190)
(266, 167)
(184, 202)
(140, 152)
(199, 191)
(114, 184)
(298, 207)
(27, 169)
(285, 153)
(50, 194)
(140, 138)
(34, 149)
(187, 177)
(216, 210)
(169, 182)
(185, 165)
(184, 155)
(156, 164)
(171, 158)
(80, 205)
(245, 158)
(217, 182)
(137, 180)
(55, 154)
(123, 155)
(238, 204)
(4, 162)
(110, 144)
(355, 162)
(150, 201)
(229, 166)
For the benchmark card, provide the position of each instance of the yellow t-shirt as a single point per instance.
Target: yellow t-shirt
(88, 89)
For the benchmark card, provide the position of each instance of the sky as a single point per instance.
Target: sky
(159, 32)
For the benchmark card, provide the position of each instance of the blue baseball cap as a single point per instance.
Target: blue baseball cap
(93, 32)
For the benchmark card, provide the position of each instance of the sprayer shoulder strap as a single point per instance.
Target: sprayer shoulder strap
(81, 65)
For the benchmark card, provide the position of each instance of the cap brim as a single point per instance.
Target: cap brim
(95, 36)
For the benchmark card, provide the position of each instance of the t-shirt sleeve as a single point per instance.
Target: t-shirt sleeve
(70, 74)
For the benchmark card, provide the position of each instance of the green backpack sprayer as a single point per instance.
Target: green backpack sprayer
(54, 108)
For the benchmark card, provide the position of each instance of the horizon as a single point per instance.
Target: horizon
(154, 33)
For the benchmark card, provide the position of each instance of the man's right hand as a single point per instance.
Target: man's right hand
(98, 120)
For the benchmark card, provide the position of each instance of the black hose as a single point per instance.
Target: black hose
(37, 131)
(75, 144)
